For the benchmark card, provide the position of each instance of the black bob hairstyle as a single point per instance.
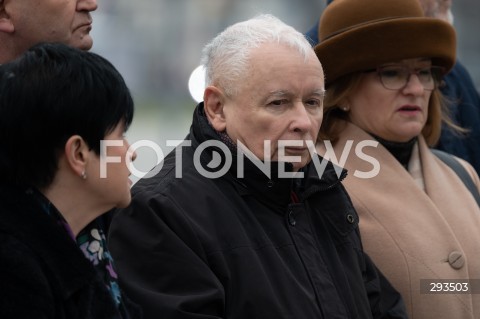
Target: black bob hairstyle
(48, 94)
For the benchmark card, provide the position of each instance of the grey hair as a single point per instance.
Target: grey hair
(226, 57)
(434, 9)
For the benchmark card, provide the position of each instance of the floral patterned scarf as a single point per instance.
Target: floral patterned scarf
(92, 242)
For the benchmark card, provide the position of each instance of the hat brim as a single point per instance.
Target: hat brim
(384, 41)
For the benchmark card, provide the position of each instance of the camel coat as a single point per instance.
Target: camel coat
(414, 234)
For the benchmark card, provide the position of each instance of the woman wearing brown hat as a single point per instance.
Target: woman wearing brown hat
(383, 63)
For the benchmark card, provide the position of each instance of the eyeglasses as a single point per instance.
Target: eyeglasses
(396, 77)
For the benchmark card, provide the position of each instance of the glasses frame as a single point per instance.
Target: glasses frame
(436, 72)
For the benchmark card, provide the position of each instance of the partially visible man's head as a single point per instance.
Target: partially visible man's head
(50, 93)
(440, 9)
(24, 23)
(264, 83)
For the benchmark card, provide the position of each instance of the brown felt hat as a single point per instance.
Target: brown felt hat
(357, 35)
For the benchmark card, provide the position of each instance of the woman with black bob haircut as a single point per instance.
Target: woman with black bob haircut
(63, 163)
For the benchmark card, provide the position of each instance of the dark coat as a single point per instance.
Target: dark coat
(43, 273)
(196, 247)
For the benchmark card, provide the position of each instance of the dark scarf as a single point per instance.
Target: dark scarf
(402, 151)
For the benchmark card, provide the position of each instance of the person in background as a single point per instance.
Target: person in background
(458, 88)
(58, 106)
(24, 23)
(384, 62)
(201, 241)
(462, 96)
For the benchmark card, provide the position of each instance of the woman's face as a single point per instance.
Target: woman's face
(396, 113)
(108, 173)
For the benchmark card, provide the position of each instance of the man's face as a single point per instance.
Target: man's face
(281, 98)
(65, 21)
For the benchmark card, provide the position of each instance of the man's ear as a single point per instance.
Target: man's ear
(6, 24)
(214, 103)
(76, 154)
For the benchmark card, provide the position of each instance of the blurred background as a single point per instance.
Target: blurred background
(156, 44)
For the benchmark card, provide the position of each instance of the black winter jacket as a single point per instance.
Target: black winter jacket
(43, 273)
(196, 247)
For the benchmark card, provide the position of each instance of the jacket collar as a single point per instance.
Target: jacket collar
(273, 190)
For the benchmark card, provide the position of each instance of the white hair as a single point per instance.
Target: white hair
(226, 57)
(440, 9)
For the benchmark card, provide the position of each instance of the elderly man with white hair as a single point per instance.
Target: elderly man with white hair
(244, 220)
